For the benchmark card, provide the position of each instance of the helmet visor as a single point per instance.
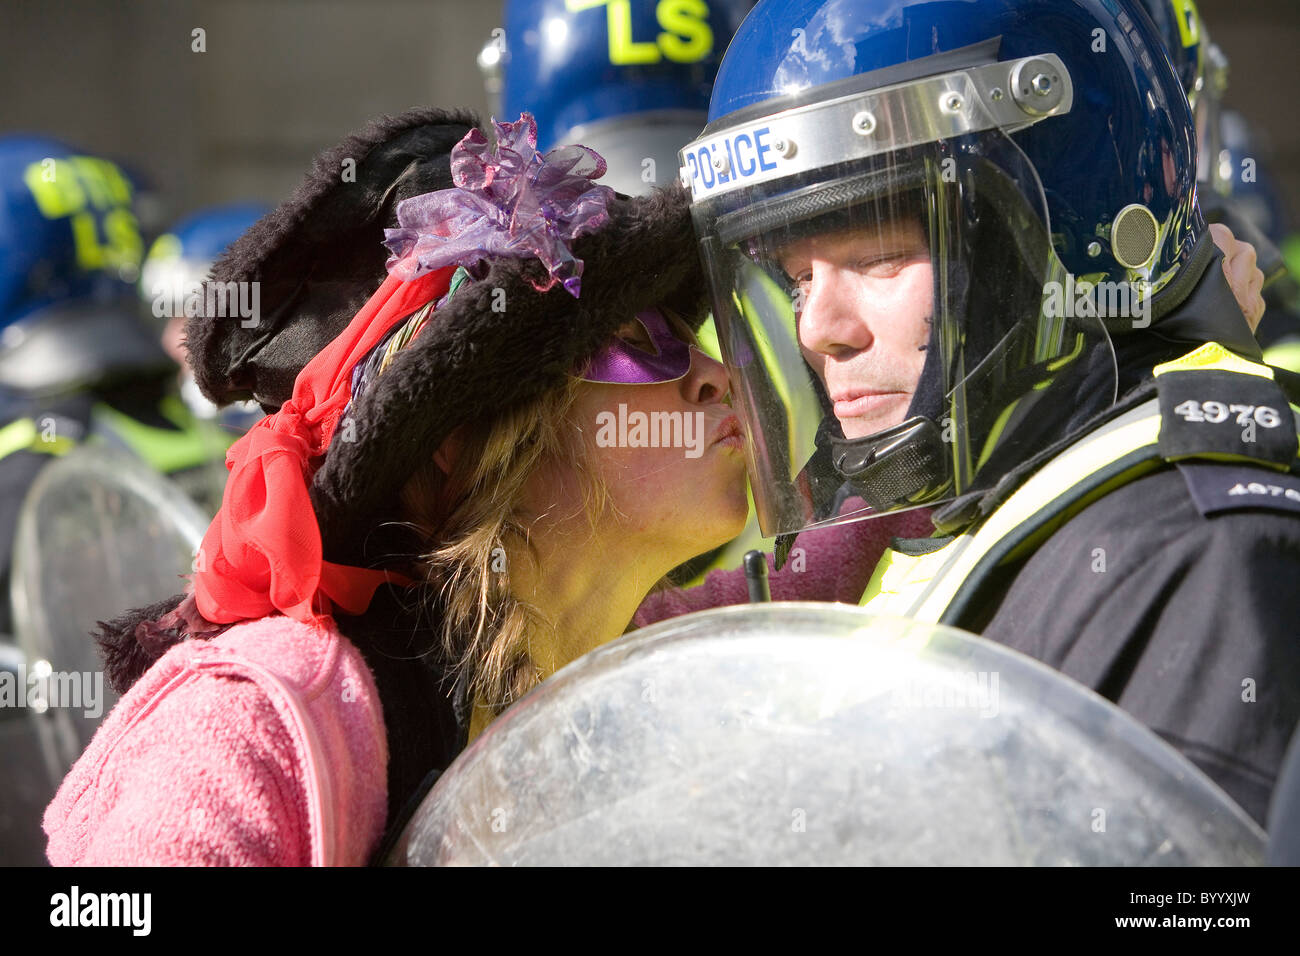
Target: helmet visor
(898, 328)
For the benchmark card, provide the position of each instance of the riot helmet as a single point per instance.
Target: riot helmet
(179, 260)
(1202, 70)
(630, 78)
(70, 253)
(922, 223)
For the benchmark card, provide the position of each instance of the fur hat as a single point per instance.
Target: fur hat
(497, 343)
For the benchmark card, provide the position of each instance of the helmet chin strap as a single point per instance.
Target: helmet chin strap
(900, 465)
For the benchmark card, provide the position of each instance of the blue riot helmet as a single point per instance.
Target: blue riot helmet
(629, 78)
(70, 253)
(1244, 165)
(1245, 196)
(1202, 70)
(1233, 189)
(996, 189)
(179, 259)
(1183, 32)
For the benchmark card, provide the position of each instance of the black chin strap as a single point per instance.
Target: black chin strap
(898, 465)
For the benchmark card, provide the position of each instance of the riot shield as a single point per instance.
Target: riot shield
(99, 532)
(820, 734)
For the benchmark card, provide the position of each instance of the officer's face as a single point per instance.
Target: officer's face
(867, 297)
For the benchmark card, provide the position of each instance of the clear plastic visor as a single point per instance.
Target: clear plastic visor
(898, 328)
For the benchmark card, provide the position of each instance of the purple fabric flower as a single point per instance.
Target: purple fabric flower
(509, 202)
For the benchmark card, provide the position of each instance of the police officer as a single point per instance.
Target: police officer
(70, 334)
(1235, 188)
(178, 262)
(957, 263)
(77, 363)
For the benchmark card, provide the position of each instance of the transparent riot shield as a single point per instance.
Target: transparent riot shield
(820, 734)
(99, 533)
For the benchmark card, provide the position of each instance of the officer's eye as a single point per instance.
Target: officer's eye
(797, 285)
(884, 267)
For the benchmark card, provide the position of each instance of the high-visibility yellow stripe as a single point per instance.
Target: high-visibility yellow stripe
(1133, 431)
(1212, 355)
(1188, 19)
(16, 436)
(925, 586)
(194, 443)
(21, 435)
(1284, 354)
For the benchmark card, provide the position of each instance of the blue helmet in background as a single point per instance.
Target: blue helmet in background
(1183, 32)
(70, 252)
(1243, 164)
(180, 259)
(173, 273)
(1248, 200)
(1235, 187)
(629, 78)
(1033, 162)
(1202, 69)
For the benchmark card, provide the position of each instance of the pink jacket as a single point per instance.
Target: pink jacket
(263, 746)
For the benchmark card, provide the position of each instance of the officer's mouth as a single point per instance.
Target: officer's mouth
(861, 414)
(862, 403)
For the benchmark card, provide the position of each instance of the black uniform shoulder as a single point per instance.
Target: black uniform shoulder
(1198, 498)
(1185, 619)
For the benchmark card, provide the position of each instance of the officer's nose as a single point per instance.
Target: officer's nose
(706, 383)
(832, 321)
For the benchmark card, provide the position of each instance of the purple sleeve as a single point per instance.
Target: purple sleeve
(825, 564)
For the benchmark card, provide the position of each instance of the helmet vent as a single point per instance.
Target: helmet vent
(1133, 236)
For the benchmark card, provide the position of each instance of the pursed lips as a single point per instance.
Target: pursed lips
(729, 433)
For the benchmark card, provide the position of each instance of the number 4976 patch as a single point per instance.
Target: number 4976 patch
(1216, 488)
(1216, 412)
(1222, 415)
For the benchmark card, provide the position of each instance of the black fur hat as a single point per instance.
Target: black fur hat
(318, 256)
(497, 343)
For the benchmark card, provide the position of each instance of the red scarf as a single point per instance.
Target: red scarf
(262, 553)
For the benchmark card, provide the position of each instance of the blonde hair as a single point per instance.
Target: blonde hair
(471, 516)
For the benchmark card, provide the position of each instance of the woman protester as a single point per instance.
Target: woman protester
(434, 519)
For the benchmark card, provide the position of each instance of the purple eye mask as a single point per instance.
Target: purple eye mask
(622, 363)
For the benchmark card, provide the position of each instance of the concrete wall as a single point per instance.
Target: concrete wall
(282, 79)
